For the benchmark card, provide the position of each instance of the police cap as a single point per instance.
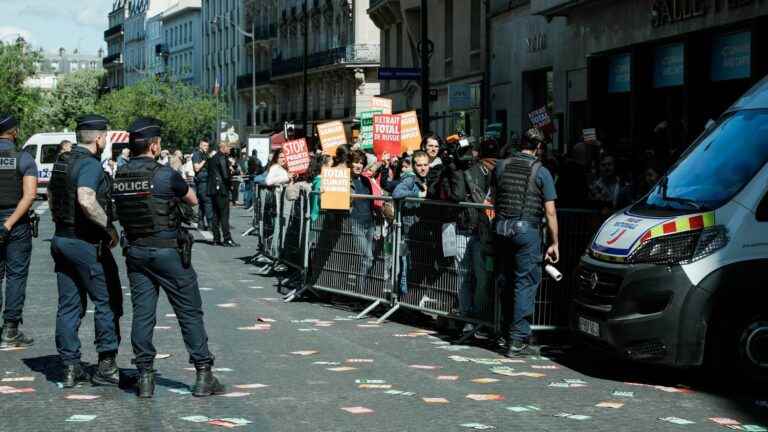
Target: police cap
(144, 129)
(7, 122)
(91, 122)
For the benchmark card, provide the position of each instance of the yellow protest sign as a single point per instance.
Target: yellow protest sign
(410, 134)
(336, 188)
(332, 135)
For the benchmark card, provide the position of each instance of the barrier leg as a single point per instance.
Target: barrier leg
(248, 231)
(368, 310)
(388, 314)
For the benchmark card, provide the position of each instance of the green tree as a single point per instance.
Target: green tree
(16, 65)
(75, 94)
(187, 112)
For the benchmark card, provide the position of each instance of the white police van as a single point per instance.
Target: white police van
(681, 277)
(44, 148)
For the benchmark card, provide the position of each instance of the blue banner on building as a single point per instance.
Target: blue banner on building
(669, 66)
(620, 73)
(732, 57)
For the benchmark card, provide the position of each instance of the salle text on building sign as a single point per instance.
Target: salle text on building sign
(672, 11)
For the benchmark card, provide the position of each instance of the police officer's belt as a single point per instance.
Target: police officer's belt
(154, 242)
(72, 233)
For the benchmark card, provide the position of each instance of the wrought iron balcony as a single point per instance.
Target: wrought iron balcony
(112, 60)
(350, 54)
(245, 81)
(113, 31)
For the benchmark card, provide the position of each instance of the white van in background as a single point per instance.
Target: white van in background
(44, 148)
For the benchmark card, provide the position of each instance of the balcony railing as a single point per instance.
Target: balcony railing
(112, 60)
(245, 81)
(113, 31)
(351, 54)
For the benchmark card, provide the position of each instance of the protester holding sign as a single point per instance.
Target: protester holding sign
(335, 188)
(277, 172)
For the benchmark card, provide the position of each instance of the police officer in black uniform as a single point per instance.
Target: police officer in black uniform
(523, 193)
(200, 165)
(18, 186)
(147, 196)
(79, 197)
(219, 185)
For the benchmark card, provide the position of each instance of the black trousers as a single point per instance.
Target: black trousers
(220, 226)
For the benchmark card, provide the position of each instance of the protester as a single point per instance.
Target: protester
(125, 156)
(235, 172)
(277, 170)
(411, 186)
(609, 192)
(523, 193)
(176, 160)
(65, 146)
(471, 184)
(431, 145)
(361, 213)
(188, 171)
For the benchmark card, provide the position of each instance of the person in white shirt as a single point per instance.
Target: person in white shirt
(277, 173)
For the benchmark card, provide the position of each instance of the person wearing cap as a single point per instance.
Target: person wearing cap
(523, 193)
(219, 185)
(147, 195)
(80, 202)
(18, 186)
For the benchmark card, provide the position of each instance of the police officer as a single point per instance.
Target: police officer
(523, 193)
(18, 186)
(219, 185)
(79, 197)
(199, 164)
(147, 196)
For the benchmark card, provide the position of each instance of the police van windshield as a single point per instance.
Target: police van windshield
(716, 168)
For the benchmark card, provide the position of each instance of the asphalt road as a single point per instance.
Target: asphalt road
(307, 366)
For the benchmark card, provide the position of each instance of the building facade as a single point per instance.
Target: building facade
(139, 56)
(223, 55)
(457, 64)
(114, 36)
(646, 75)
(183, 42)
(261, 19)
(53, 66)
(342, 60)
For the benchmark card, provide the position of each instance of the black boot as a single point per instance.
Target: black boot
(11, 337)
(107, 372)
(74, 374)
(206, 384)
(146, 383)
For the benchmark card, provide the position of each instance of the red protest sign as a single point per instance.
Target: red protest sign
(386, 134)
(296, 156)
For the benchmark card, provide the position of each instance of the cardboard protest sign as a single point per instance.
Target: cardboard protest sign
(336, 188)
(383, 104)
(296, 156)
(366, 128)
(410, 134)
(386, 134)
(541, 119)
(332, 135)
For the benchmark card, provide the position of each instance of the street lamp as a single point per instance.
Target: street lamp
(252, 35)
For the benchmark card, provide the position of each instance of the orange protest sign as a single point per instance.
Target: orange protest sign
(410, 134)
(336, 191)
(332, 135)
(386, 135)
(296, 156)
(383, 104)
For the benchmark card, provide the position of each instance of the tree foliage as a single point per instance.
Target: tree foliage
(76, 94)
(186, 112)
(16, 65)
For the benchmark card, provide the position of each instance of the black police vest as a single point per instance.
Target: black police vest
(140, 213)
(10, 179)
(517, 195)
(62, 191)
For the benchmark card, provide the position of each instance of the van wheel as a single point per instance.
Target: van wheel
(741, 345)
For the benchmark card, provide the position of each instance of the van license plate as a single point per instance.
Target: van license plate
(589, 327)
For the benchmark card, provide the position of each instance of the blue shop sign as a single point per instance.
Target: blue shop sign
(620, 73)
(732, 57)
(669, 66)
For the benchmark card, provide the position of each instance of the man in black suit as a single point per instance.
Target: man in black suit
(219, 183)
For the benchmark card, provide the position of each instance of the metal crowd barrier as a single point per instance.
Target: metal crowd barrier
(335, 253)
(349, 256)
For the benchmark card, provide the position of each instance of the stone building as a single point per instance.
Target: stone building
(114, 36)
(183, 42)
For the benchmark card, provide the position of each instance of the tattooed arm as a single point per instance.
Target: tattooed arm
(91, 207)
